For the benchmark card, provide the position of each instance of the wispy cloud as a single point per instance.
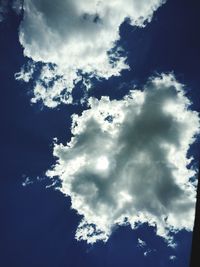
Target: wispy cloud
(127, 161)
(7, 5)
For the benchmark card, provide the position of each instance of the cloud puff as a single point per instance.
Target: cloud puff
(77, 37)
(127, 161)
(142, 245)
(172, 258)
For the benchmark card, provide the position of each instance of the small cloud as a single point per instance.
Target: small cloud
(172, 258)
(27, 182)
(147, 252)
(30, 181)
(141, 243)
(26, 72)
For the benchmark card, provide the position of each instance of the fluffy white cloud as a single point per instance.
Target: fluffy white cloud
(26, 73)
(127, 161)
(77, 37)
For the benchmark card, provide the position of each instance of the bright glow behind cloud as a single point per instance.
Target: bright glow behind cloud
(76, 36)
(127, 161)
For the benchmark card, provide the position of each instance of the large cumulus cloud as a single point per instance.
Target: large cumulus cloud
(127, 161)
(77, 37)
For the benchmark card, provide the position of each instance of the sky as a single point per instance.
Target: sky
(99, 132)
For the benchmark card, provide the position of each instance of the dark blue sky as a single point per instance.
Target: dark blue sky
(37, 226)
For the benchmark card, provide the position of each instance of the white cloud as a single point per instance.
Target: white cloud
(26, 73)
(148, 251)
(141, 243)
(76, 36)
(172, 258)
(127, 161)
(27, 181)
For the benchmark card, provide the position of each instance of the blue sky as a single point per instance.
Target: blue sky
(38, 227)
